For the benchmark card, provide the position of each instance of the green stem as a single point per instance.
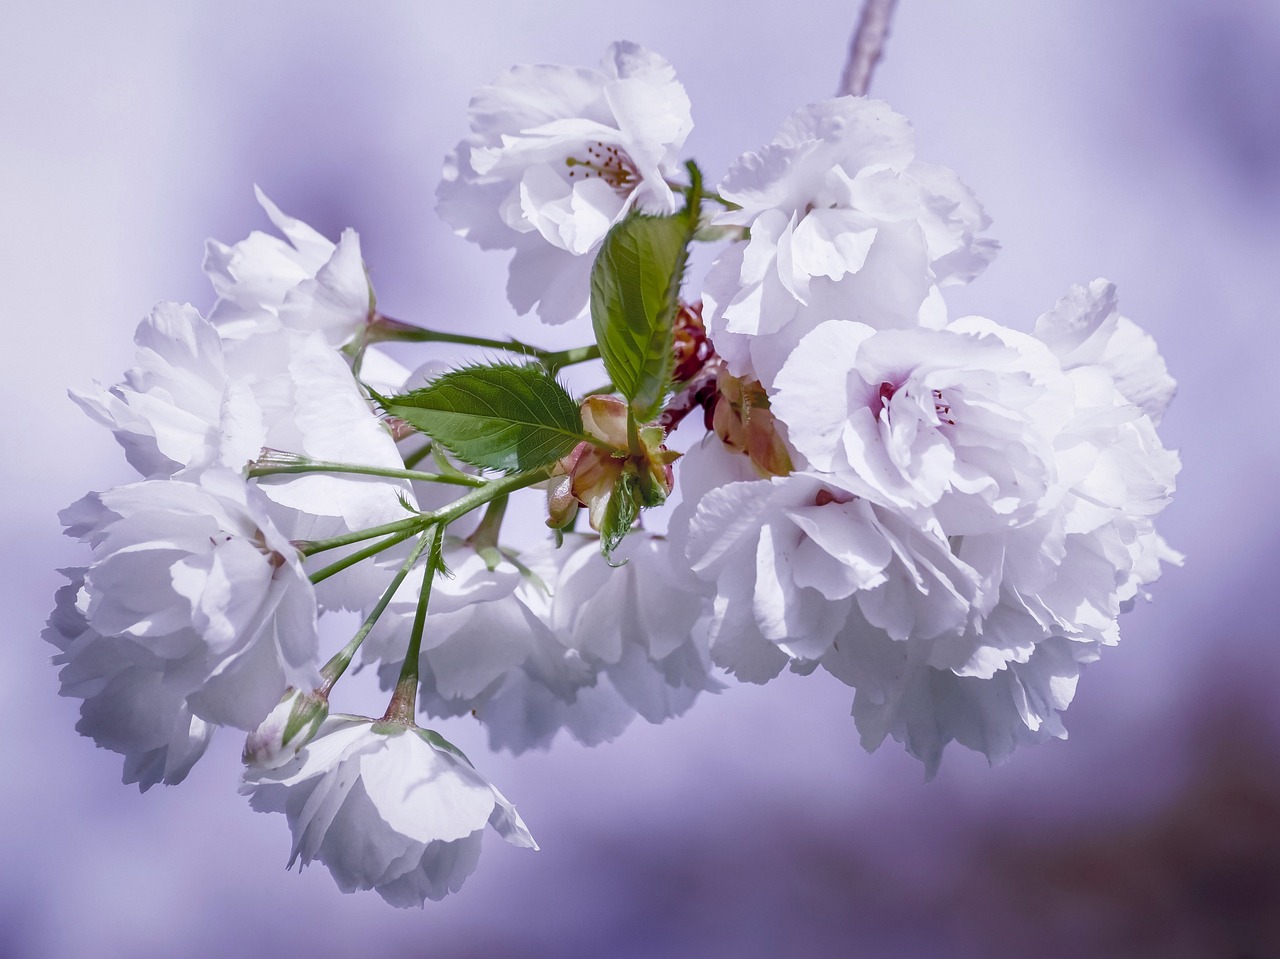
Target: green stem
(418, 455)
(491, 490)
(554, 362)
(485, 538)
(413, 525)
(336, 666)
(404, 699)
(387, 328)
(320, 466)
(358, 557)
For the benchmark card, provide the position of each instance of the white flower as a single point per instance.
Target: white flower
(845, 224)
(181, 407)
(924, 708)
(196, 401)
(792, 557)
(1051, 586)
(1084, 328)
(385, 807)
(308, 283)
(963, 420)
(556, 639)
(198, 575)
(637, 619)
(558, 155)
(128, 707)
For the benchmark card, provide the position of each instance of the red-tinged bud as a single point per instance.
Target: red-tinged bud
(691, 347)
(742, 419)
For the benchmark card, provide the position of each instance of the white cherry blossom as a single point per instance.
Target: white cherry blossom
(385, 807)
(181, 407)
(963, 419)
(1085, 328)
(196, 400)
(304, 282)
(792, 557)
(845, 224)
(128, 707)
(197, 574)
(556, 156)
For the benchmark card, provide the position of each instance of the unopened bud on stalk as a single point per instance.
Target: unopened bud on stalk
(287, 728)
(591, 474)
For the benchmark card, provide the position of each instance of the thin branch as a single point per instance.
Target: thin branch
(866, 47)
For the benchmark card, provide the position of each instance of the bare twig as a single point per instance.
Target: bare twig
(866, 47)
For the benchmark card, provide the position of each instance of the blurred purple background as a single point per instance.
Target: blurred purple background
(1138, 141)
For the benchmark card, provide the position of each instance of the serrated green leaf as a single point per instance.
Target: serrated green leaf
(503, 416)
(635, 287)
(620, 514)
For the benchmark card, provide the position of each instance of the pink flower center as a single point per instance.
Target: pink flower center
(886, 392)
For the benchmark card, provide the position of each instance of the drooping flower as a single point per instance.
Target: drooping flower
(1051, 586)
(637, 621)
(197, 575)
(556, 156)
(844, 224)
(304, 282)
(128, 707)
(386, 807)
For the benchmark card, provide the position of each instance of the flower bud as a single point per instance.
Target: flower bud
(742, 419)
(592, 473)
(287, 728)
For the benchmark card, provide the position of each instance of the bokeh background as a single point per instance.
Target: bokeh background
(1138, 141)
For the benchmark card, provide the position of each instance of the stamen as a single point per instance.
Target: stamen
(942, 409)
(608, 163)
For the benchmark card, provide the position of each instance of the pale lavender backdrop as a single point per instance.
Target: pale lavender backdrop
(1138, 141)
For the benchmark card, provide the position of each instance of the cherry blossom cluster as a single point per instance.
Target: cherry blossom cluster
(945, 514)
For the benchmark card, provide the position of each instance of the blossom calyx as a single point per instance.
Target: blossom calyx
(287, 728)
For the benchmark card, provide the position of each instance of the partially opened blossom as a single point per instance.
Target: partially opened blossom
(197, 575)
(386, 807)
(844, 224)
(556, 156)
(303, 282)
(128, 707)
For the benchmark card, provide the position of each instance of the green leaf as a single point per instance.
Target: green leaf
(502, 417)
(635, 286)
(621, 513)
